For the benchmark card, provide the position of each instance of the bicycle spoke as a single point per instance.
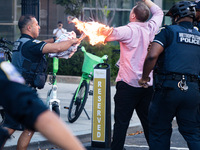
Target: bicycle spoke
(78, 102)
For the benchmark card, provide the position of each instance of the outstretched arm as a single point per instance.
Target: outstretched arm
(57, 132)
(24, 106)
(60, 46)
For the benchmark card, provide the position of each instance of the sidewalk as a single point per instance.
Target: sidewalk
(81, 128)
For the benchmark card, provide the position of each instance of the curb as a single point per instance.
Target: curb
(41, 145)
(85, 139)
(71, 79)
(66, 79)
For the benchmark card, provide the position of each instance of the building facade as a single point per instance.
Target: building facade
(110, 12)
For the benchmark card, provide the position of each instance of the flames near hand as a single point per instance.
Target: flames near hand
(93, 30)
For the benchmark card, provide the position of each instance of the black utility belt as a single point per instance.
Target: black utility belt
(178, 77)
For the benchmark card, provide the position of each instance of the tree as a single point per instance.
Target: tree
(100, 11)
(72, 7)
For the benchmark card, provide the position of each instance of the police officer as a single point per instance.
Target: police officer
(176, 57)
(29, 59)
(29, 110)
(28, 53)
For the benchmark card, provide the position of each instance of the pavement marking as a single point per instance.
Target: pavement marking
(179, 148)
(142, 146)
(145, 146)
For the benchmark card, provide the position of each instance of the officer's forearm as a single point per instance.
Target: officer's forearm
(57, 132)
(59, 47)
(148, 67)
(49, 40)
(151, 59)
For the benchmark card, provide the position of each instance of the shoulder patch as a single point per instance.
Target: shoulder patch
(196, 28)
(11, 72)
(160, 29)
(16, 45)
(37, 41)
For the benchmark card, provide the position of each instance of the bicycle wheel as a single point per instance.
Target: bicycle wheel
(77, 103)
(55, 108)
(2, 117)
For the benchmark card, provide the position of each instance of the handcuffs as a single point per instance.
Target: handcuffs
(182, 84)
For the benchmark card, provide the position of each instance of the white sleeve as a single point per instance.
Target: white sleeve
(54, 31)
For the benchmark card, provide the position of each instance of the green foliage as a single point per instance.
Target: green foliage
(72, 7)
(105, 11)
(73, 65)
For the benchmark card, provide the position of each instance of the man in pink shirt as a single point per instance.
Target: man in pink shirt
(134, 39)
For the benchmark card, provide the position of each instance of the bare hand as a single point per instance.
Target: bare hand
(75, 41)
(143, 83)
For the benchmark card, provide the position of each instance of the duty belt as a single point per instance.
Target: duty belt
(178, 77)
(182, 85)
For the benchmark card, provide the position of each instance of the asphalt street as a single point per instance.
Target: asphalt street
(135, 139)
(82, 127)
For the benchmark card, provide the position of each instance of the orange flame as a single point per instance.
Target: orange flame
(91, 30)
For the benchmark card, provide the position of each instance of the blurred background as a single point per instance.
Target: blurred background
(49, 12)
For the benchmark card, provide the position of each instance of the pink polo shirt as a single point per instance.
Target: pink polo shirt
(134, 39)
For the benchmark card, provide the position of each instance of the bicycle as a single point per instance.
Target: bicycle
(52, 101)
(5, 51)
(5, 55)
(81, 94)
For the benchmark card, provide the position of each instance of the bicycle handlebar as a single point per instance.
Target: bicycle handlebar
(105, 57)
(5, 41)
(83, 48)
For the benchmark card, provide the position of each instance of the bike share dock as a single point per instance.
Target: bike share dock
(81, 128)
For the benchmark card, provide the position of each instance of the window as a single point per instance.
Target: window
(117, 11)
(6, 15)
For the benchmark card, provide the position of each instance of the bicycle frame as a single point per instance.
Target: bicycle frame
(86, 75)
(52, 93)
(79, 98)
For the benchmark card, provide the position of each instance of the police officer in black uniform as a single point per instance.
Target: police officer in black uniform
(23, 104)
(29, 59)
(29, 53)
(18, 100)
(175, 54)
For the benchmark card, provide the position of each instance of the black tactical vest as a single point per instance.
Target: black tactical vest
(25, 66)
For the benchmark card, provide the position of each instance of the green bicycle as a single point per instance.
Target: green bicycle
(52, 101)
(80, 96)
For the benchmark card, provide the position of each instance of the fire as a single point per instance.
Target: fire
(91, 29)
